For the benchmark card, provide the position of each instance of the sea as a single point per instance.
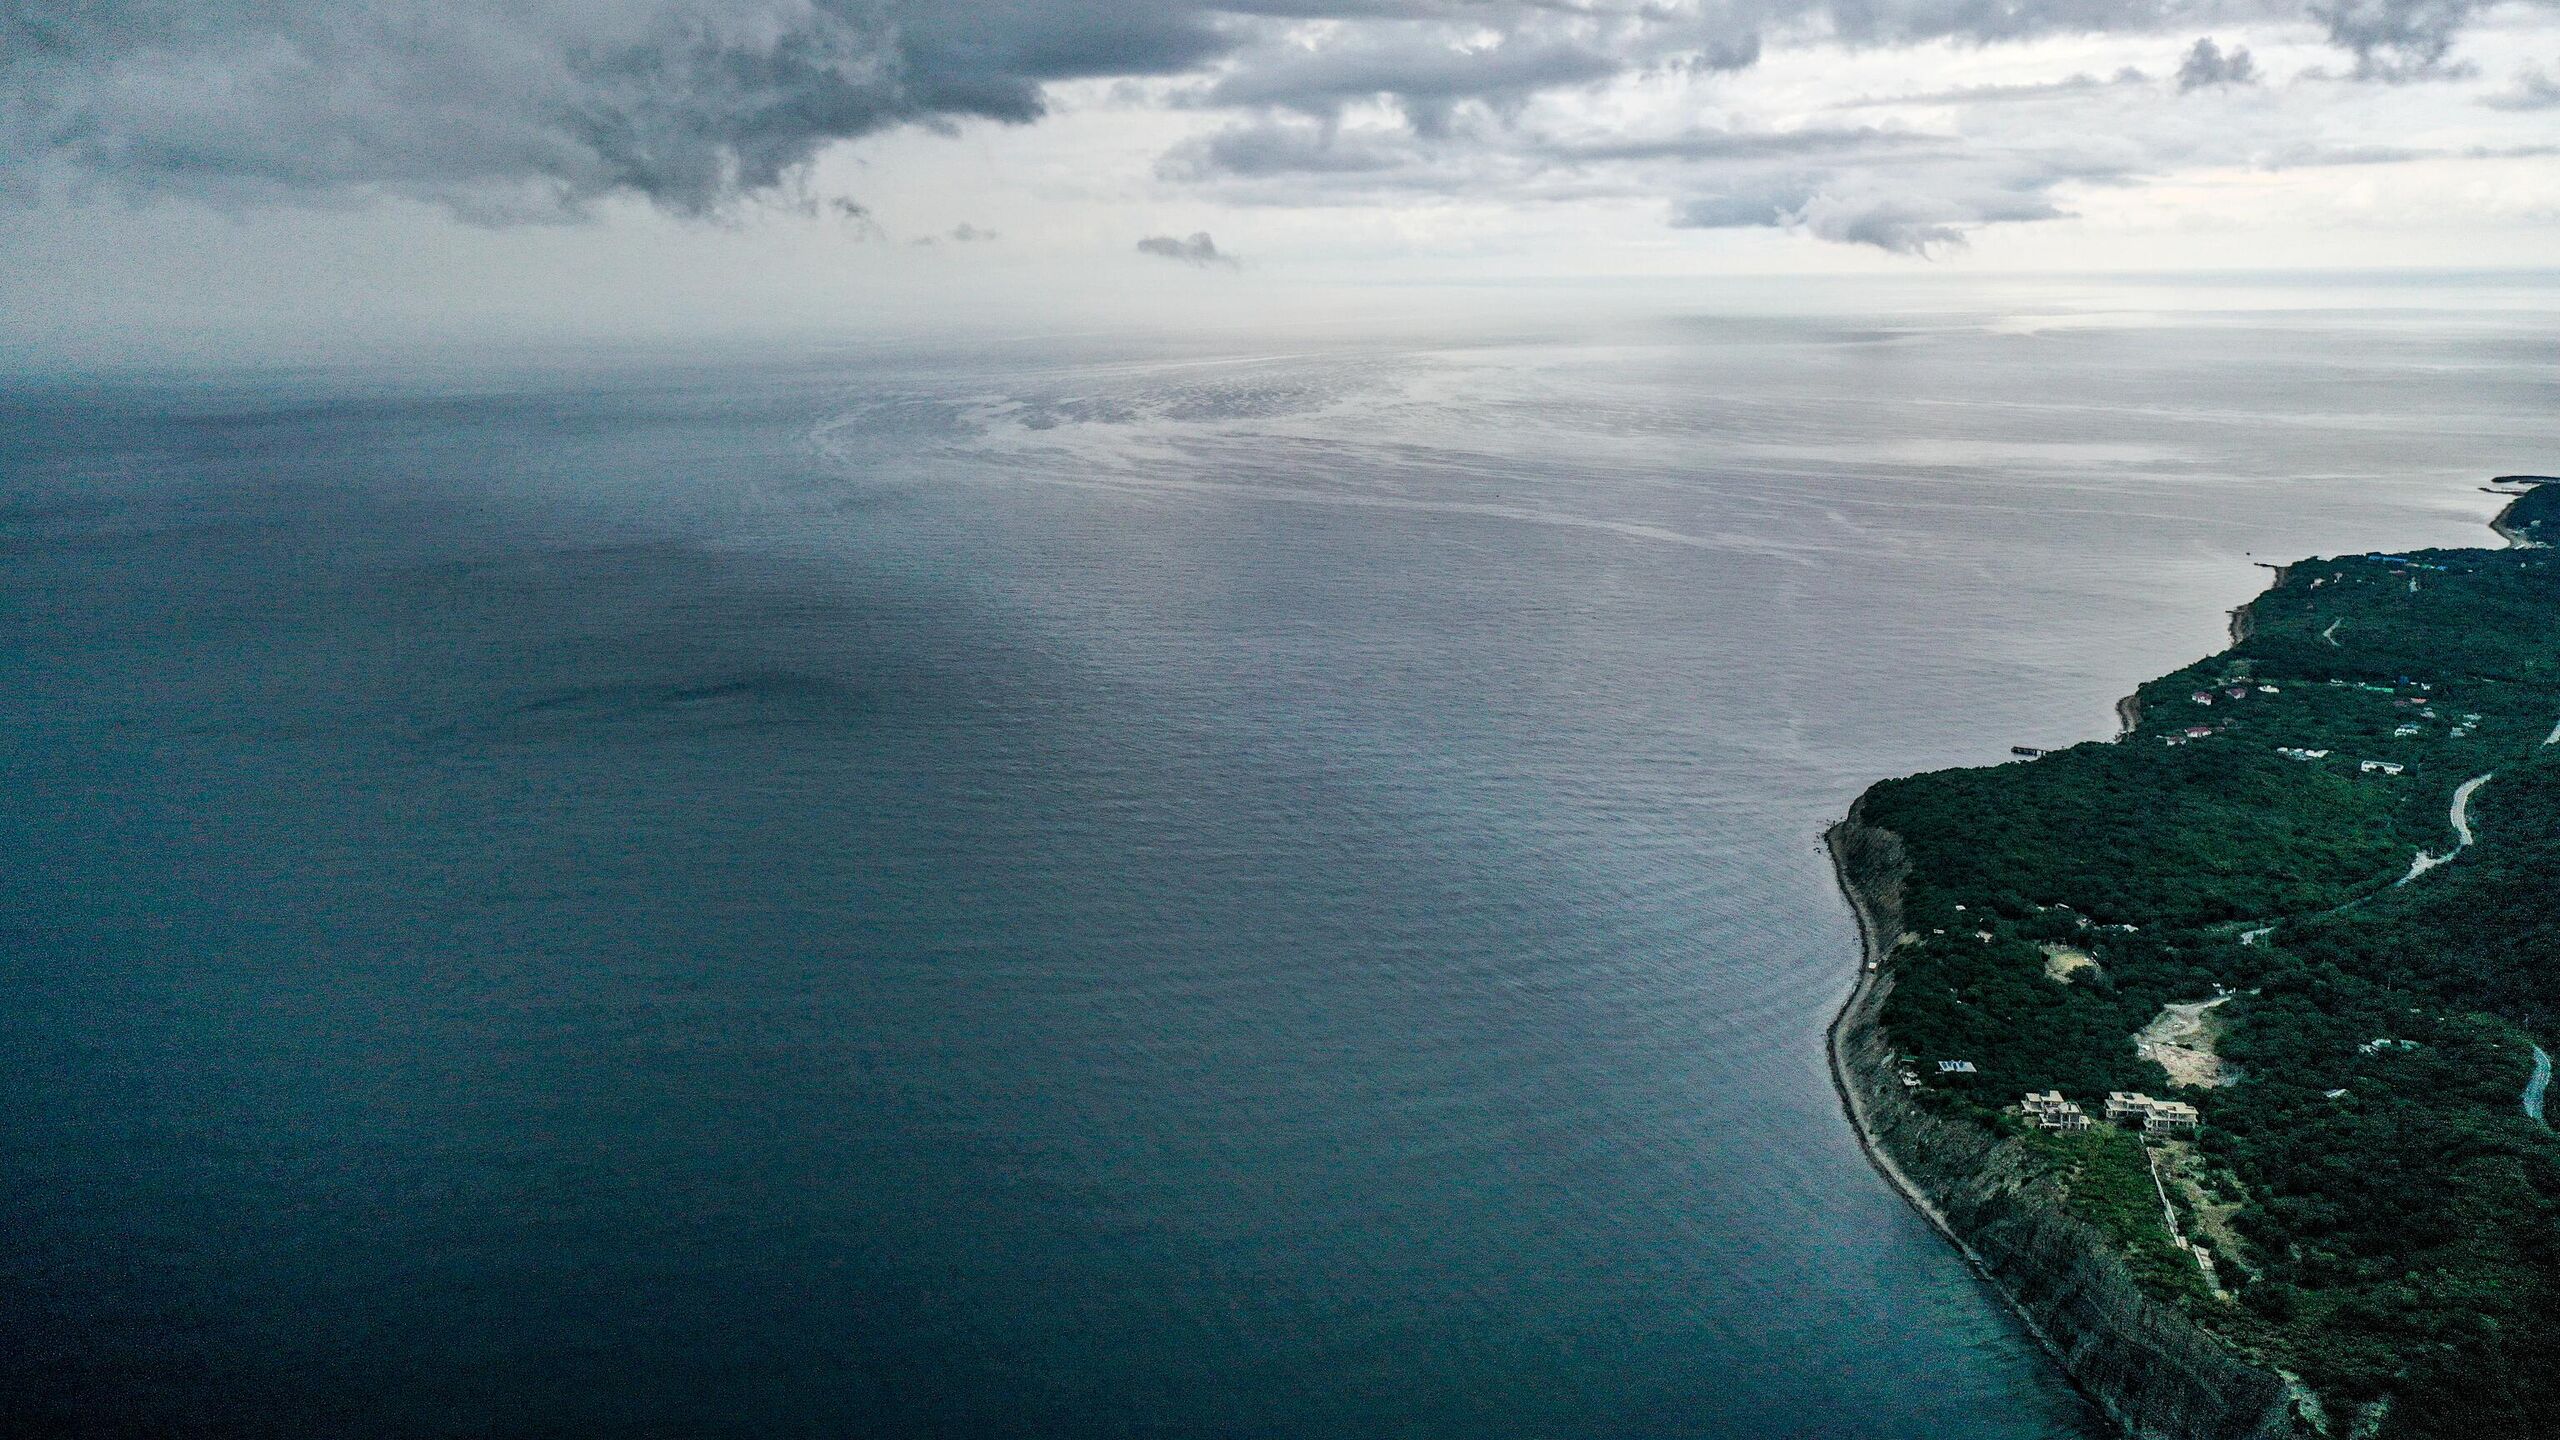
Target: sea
(1083, 885)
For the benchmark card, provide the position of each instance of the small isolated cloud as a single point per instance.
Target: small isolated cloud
(2207, 64)
(857, 215)
(2534, 90)
(1195, 249)
(963, 233)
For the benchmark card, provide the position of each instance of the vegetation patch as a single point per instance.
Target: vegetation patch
(2213, 897)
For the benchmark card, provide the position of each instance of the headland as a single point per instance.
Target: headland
(2331, 1217)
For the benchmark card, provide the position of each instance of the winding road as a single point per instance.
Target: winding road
(2461, 829)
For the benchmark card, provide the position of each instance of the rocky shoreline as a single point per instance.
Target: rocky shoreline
(2142, 1363)
(2147, 1367)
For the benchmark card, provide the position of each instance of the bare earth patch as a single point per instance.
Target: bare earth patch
(2180, 1040)
(2061, 962)
(2212, 1214)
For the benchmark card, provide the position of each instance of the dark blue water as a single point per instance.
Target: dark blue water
(1055, 892)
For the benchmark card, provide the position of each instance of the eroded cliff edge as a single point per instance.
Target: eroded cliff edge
(2143, 1364)
(2247, 835)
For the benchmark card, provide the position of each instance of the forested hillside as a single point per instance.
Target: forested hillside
(2267, 879)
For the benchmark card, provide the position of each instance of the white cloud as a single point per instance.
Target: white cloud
(1335, 138)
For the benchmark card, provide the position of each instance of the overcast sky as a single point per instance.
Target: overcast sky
(262, 169)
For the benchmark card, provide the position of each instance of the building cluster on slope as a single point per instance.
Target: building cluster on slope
(2423, 706)
(2156, 1117)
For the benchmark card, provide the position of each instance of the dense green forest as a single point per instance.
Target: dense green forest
(2536, 516)
(2380, 1213)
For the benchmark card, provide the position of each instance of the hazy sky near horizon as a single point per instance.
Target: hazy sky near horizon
(256, 171)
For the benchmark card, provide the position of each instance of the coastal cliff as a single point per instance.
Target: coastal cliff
(2244, 619)
(2337, 1230)
(2143, 1364)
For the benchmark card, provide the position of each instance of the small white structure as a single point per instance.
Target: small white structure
(1956, 1067)
(2405, 731)
(2386, 767)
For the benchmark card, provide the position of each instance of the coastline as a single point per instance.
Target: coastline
(2090, 1361)
(2139, 1364)
(1855, 1012)
(1864, 997)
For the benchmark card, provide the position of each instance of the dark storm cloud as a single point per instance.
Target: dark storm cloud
(532, 109)
(2209, 64)
(510, 110)
(1195, 249)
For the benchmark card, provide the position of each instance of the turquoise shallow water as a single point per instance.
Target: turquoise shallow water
(1083, 890)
